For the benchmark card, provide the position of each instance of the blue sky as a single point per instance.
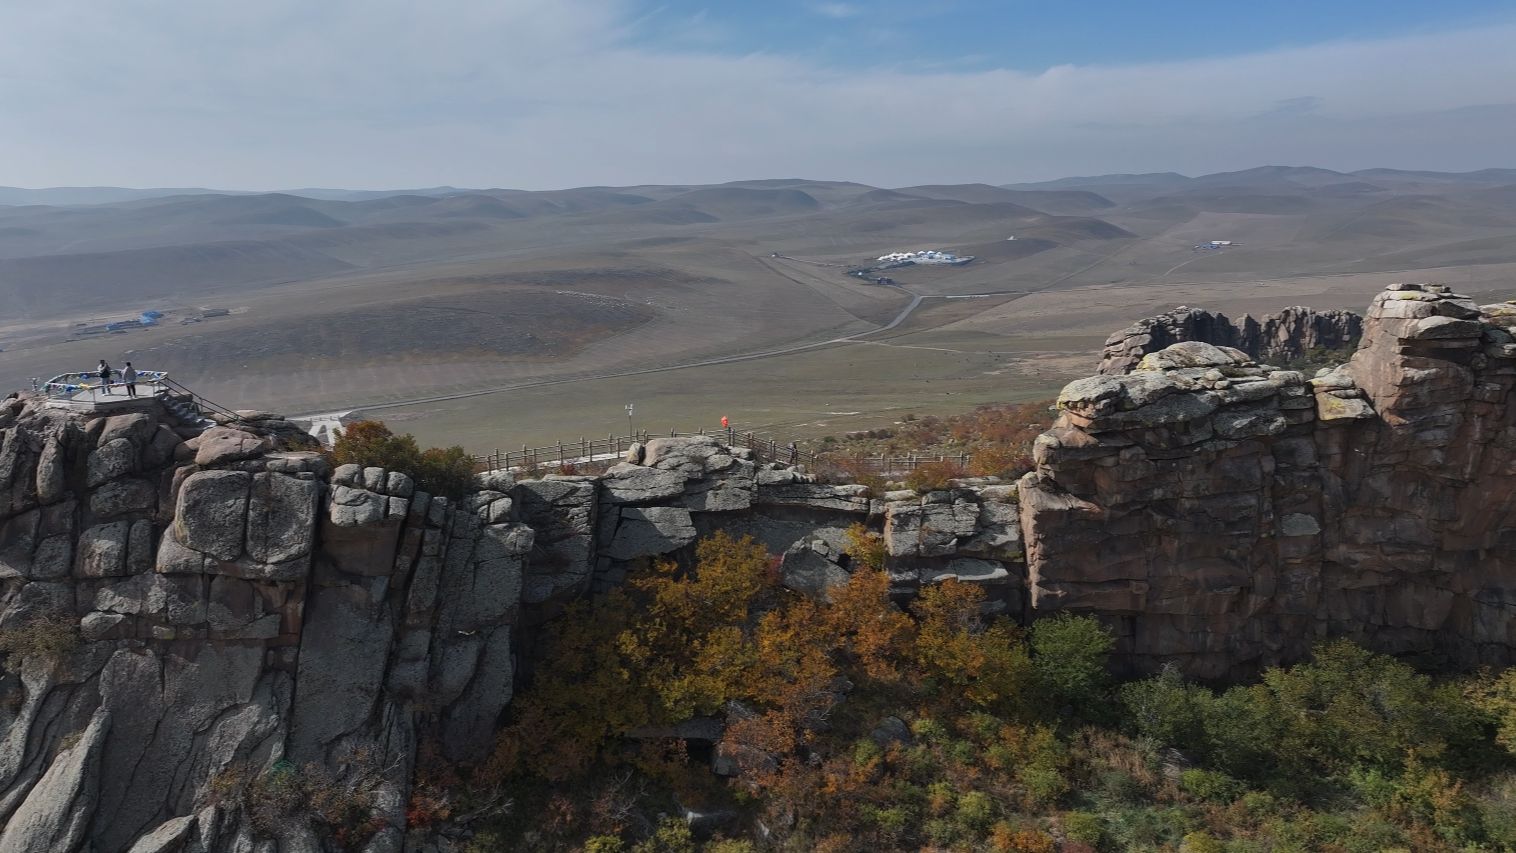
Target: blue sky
(537, 94)
(1031, 36)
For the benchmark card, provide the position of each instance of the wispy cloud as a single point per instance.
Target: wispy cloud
(837, 11)
(520, 93)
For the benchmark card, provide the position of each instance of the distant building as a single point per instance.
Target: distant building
(925, 256)
(1221, 242)
(215, 312)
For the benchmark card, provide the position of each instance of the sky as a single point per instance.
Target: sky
(371, 94)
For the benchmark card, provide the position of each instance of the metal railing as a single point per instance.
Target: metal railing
(201, 405)
(69, 384)
(591, 450)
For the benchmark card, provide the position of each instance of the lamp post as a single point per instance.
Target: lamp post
(629, 421)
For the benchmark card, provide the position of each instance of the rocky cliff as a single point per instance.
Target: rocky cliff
(184, 610)
(1225, 515)
(1284, 336)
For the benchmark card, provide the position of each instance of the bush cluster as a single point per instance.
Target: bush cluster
(854, 724)
(445, 471)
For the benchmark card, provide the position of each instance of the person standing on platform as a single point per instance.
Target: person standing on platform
(105, 377)
(129, 376)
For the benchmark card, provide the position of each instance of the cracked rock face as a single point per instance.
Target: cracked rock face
(238, 606)
(1284, 336)
(1225, 513)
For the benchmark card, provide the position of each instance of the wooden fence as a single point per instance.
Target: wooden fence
(611, 448)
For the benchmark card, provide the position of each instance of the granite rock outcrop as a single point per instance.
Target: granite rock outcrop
(184, 605)
(1283, 336)
(1226, 515)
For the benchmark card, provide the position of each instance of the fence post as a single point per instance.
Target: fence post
(584, 449)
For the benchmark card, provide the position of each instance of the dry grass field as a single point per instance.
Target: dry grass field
(498, 318)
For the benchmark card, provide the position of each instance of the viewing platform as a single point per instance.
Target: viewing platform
(86, 392)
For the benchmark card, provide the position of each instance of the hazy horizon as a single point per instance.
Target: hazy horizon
(534, 96)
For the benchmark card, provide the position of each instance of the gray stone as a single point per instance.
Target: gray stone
(495, 481)
(1299, 524)
(176, 558)
(348, 475)
(176, 599)
(56, 812)
(281, 520)
(343, 650)
(1248, 422)
(54, 558)
(374, 479)
(220, 445)
(122, 496)
(102, 550)
(650, 531)
(50, 472)
(636, 484)
(352, 507)
(810, 567)
(139, 547)
(169, 837)
(110, 460)
(100, 626)
(968, 571)
(211, 512)
(399, 485)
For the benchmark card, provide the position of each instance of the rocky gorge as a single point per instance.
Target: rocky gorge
(181, 606)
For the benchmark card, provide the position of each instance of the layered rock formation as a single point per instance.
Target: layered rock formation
(1284, 336)
(181, 609)
(181, 614)
(1226, 515)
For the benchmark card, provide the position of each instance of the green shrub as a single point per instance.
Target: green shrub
(1069, 657)
(1211, 786)
(976, 811)
(671, 836)
(1084, 827)
(1201, 842)
(604, 844)
(729, 845)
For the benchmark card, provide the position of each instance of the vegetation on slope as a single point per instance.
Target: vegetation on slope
(855, 725)
(437, 470)
(995, 439)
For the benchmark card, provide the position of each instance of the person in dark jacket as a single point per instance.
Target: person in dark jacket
(105, 376)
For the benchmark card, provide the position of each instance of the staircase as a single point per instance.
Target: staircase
(183, 407)
(192, 410)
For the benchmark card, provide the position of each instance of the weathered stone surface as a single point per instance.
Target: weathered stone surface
(1224, 536)
(811, 567)
(637, 484)
(649, 532)
(122, 496)
(110, 460)
(356, 507)
(211, 513)
(102, 550)
(56, 812)
(220, 445)
(281, 519)
(1284, 336)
